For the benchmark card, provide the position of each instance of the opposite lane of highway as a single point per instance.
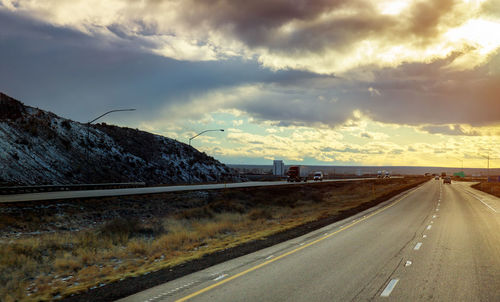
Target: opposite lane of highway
(146, 190)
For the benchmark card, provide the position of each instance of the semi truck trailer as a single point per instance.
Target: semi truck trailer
(296, 173)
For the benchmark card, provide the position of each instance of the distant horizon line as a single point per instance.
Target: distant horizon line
(365, 166)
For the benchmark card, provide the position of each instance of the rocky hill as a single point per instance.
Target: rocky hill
(39, 147)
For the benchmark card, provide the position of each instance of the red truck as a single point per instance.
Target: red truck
(296, 173)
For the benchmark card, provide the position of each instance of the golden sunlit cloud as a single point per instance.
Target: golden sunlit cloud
(393, 7)
(344, 36)
(480, 36)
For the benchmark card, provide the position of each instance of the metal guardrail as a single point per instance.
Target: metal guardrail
(72, 187)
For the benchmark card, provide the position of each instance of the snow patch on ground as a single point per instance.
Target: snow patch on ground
(40, 147)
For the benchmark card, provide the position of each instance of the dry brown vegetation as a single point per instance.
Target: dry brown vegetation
(147, 233)
(492, 188)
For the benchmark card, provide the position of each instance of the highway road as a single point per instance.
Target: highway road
(144, 190)
(434, 243)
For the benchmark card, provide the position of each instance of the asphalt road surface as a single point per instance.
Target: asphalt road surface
(147, 190)
(434, 243)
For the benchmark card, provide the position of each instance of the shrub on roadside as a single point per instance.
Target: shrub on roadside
(260, 214)
(137, 246)
(196, 213)
(222, 206)
(67, 263)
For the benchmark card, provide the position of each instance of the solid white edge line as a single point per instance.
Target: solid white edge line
(487, 205)
(473, 195)
(388, 289)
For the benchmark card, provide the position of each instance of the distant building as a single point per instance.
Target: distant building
(278, 168)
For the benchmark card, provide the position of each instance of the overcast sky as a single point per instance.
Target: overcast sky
(334, 82)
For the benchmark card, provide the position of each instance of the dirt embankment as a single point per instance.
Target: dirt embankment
(492, 188)
(104, 249)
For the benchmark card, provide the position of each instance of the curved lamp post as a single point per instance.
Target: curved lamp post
(191, 138)
(88, 127)
(116, 110)
(202, 133)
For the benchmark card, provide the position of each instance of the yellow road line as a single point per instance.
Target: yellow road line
(289, 253)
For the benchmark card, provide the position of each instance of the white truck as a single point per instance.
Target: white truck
(318, 176)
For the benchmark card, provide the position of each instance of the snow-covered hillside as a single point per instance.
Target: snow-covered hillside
(39, 147)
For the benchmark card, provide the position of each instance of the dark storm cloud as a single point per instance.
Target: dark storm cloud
(78, 76)
(255, 21)
(430, 93)
(426, 16)
(260, 23)
(298, 107)
(412, 94)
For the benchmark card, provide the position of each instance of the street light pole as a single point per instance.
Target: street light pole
(191, 138)
(488, 170)
(488, 158)
(88, 131)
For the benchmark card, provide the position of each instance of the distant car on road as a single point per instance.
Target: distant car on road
(447, 180)
(436, 178)
(318, 176)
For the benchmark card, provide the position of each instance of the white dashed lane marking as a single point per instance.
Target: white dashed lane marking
(388, 289)
(159, 296)
(220, 277)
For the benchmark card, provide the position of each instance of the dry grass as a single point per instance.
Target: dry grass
(492, 188)
(45, 266)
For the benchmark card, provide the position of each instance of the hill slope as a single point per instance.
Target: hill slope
(39, 147)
